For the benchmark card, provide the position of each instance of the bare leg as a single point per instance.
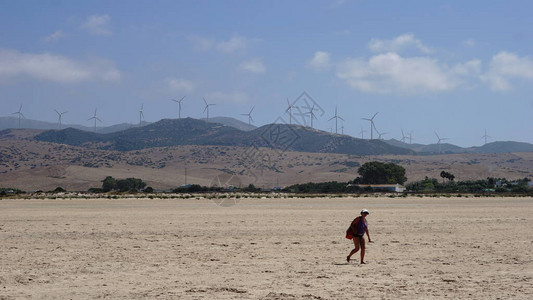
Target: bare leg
(355, 249)
(363, 250)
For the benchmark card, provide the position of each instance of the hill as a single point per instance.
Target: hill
(502, 147)
(31, 165)
(178, 132)
(233, 123)
(446, 148)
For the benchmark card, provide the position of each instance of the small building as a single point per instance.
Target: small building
(397, 188)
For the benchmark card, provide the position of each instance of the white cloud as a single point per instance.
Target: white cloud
(398, 44)
(253, 66)
(391, 73)
(505, 66)
(469, 43)
(234, 97)
(180, 85)
(232, 45)
(202, 44)
(56, 68)
(320, 61)
(58, 34)
(97, 25)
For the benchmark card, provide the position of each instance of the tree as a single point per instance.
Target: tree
(376, 172)
(447, 175)
(109, 184)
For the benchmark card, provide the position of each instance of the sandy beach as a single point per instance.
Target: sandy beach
(466, 248)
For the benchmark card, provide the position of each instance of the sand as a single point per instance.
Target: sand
(470, 248)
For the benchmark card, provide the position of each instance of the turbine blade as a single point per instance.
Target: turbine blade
(57, 111)
(251, 110)
(341, 118)
(205, 101)
(182, 98)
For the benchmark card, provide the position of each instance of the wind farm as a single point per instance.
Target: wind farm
(184, 149)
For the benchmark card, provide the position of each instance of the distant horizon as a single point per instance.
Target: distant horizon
(457, 68)
(145, 123)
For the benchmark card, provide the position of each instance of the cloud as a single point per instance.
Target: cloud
(469, 43)
(97, 25)
(320, 61)
(55, 68)
(391, 73)
(180, 85)
(58, 34)
(505, 66)
(202, 44)
(398, 44)
(234, 97)
(232, 45)
(253, 66)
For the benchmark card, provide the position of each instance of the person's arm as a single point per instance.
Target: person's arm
(368, 235)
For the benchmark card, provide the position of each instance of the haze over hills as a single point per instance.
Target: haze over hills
(177, 132)
(121, 143)
(446, 148)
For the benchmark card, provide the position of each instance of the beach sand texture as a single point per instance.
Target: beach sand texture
(469, 248)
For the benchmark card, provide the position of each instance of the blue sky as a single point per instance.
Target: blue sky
(452, 67)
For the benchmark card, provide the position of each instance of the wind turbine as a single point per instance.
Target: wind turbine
(289, 109)
(362, 132)
(372, 126)
(403, 137)
(410, 137)
(440, 140)
(485, 136)
(206, 109)
(342, 128)
(95, 118)
(19, 113)
(250, 120)
(312, 115)
(60, 115)
(380, 134)
(141, 115)
(336, 117)
(179, 105)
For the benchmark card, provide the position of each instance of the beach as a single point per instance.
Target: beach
(281, 248)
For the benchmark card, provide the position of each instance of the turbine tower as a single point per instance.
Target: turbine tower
(141, 115)
(403, 137)
(336, 117)
(60, 115)
(179, 105)
(362, 132)
(206, 109)
(410, 137)
(289, 109)
(19, 113)
(372, 126)
(311, 115)
(485, 136)
(95, 118)
(439, 141)
(250, 120)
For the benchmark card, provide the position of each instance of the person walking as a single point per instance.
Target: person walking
(356, 232)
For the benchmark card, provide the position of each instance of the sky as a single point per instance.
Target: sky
(455, 68)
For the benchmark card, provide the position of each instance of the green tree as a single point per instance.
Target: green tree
(376, 172)
(109, 184)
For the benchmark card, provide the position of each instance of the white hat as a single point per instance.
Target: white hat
(364, 211)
